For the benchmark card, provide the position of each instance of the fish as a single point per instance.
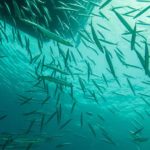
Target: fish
(47, 33)
(7, 142)
(58, 99)
(142, 61)
(131, 11)
(40, 45)
(82, 85)
(100, 117)
(95, 38)
(97, 86)
(77, 5)
(45, 100)
(35, 58)
(65, 124)
(103, 16)
(92, 129)
(16, 9)
(66, 9)
(120, 57)
(137, 131)
(66, 58)
(109, 140)
(141, 12)
(29, 146)
(105, 80)
(81, 119)
(147, 113)
(42, 122)
(130, 65)
(131, 87)
(91, 60)
(146, 59)
(89, 70)
(2, 56)
(123, 21)
(73, 58)
(27, 42)
(103, 27)
(105, 4)
(56, 80)
(111, 66)
(51, 117)
(146, 95)
(73, 106)
(140, 139)
(139, 114)
(107, 137)
(137, 44)
(19, 38)
(59, 113)
(3, 117)
(93, 49)
(62, 145)
(133, 38)
(36, 9)
(42, 63)
(7, 8)
(84, 37)
(30, 127)
(147, 102)
(143, 23)
(138, 122)
(107, 42)
(25, 100)
(88, 35)
(30, 113)
(89, 114)
(94, 96)
(4, 33)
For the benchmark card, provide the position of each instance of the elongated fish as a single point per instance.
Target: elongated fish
(81, 119)
(95, 38)
(62, 145)
(131, 87)
(56, 80)
(3, 117)
(144, 62)
(111, 66)
(47, 33)
(142, 12)
(137, 131)
(65, 124)
(105, 4)
(141, 139)
(146, 101)
(123, 21)
(73, 106)
(97, 86)
(146, 59)
(133, 38)
(30, 126)
(92, 129)
(45, 100)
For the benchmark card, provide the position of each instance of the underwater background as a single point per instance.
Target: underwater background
(74, 74)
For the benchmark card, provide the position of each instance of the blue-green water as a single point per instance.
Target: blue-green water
(91, 99)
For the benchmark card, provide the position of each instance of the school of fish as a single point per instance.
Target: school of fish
(88, 88)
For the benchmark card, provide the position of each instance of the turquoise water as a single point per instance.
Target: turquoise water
(92, 93)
